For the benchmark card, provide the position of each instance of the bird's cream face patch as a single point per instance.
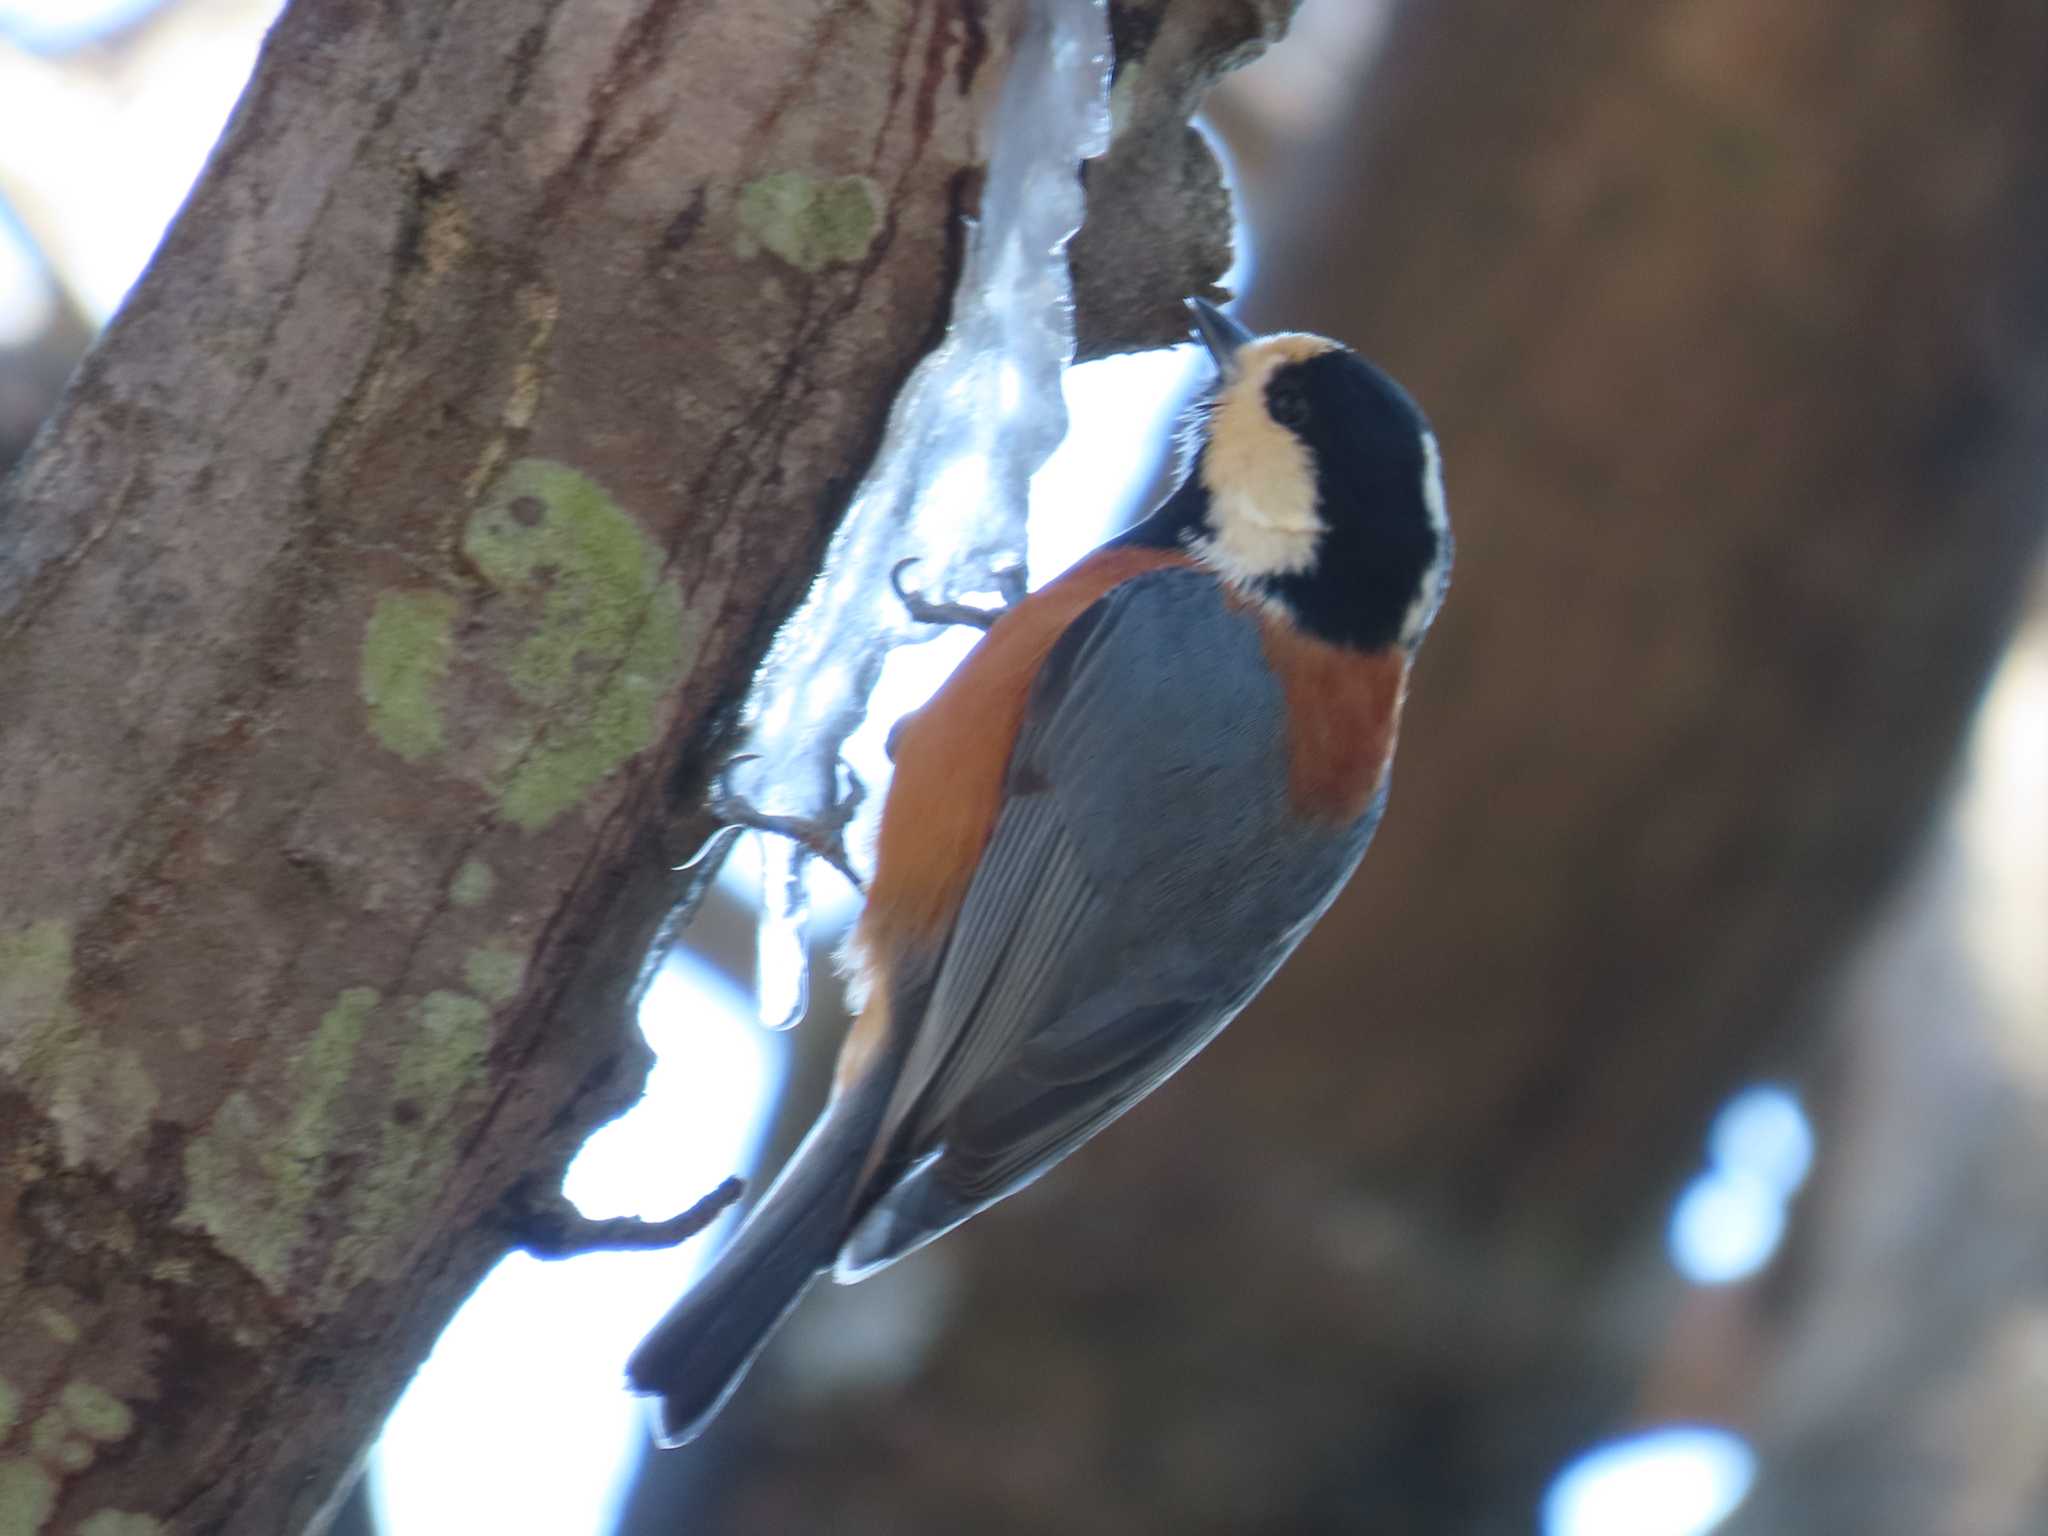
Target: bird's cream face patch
(1260, 477)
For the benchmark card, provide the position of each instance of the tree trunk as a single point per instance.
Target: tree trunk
(1731, 318)
(368, 622)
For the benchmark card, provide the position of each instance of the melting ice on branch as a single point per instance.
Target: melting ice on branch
(951, 483)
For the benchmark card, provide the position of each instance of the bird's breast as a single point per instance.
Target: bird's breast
(1343, 715)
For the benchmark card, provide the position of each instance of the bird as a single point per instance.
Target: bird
(1105, 831)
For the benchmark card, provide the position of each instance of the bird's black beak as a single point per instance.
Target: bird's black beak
(1219, 333)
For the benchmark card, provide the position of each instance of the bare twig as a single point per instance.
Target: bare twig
(547, 1226)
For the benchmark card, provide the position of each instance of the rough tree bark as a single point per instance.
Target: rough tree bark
(1732, 320)
(367, 624)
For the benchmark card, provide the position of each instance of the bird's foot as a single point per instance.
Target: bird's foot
(823, 836)
(1010, 583)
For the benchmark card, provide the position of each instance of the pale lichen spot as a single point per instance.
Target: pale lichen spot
(56, 1444)
(588, 630)
(100, 1100)
(524, 399)
(28, 1496)
(35, 985)
(57, 1325)
(102, 1107)
(809, 222)
(444, 235)
(494, 973)
(96, 1412)
(439, 1072)
(540, 308)
(251, 1181)
(119, 1522)
(473, 884)
(608, 643)
(406, 651)
(10, 1406)
(446, 1050)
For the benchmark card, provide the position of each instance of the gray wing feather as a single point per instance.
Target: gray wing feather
(1026, 909)
(1144, 878)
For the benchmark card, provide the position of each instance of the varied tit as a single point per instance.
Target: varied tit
(1105, 832)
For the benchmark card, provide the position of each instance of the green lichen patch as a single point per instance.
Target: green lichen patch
(98, 1414)
(607, 644)
(437, 1077)
(10, 1406)
(118, 1522)
(810, 222)
(493, 973)
(250, 1180)
(28, 1494)
(57, 1326)
(102, 1103)
(100, 1100)
(444, 1054)
(406, 651)
(68, 1436)
(38, 1025)
(473, 884)
(56, 1444)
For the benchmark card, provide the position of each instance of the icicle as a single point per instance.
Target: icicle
(782, 947)
(951, 482)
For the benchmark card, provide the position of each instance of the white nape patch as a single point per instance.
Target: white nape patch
(1429, 590)
(1433, 484)
(1259, 476)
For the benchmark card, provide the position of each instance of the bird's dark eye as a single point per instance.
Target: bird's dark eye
(1287, 403)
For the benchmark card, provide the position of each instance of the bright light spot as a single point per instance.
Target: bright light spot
(910, 676)
(1119, 411)
(1666, 1482)
(962, 483)
(1725, 1227)
(54, 25)
(1009, 388)
(2004, 824)
(1762, 1134)
(26, 301)
(1729, 1221)
(102, 163)
(519, 1422)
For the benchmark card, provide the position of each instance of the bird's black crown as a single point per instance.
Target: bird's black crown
(1314, 483)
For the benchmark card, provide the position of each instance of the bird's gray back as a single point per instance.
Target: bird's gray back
(1160, 729)
(1146, 874)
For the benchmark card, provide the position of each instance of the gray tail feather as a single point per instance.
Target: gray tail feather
(697, 1354)
(916, 1209)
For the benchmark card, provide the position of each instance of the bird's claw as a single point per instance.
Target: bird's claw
(822, 836)
(1010, 583)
